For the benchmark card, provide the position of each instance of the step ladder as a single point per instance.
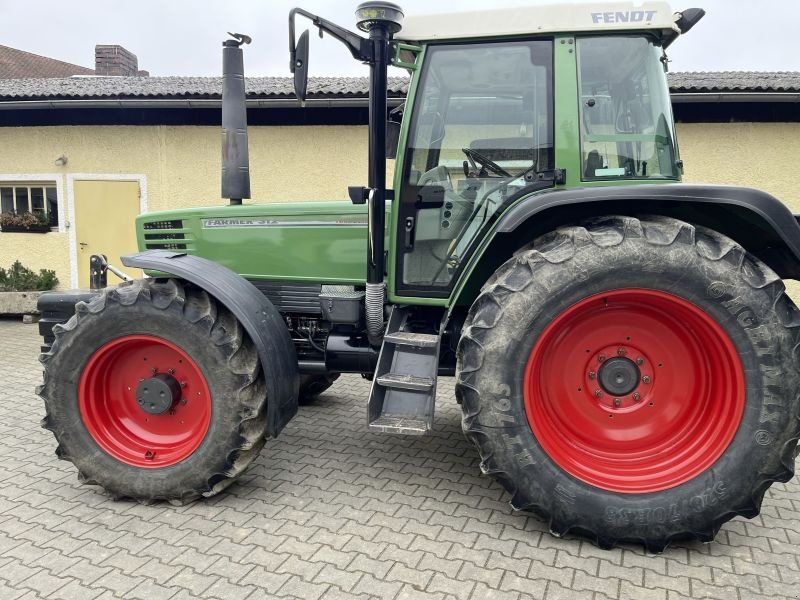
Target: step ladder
(403, 391)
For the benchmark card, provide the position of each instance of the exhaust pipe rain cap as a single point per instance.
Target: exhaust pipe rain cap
(386, 14)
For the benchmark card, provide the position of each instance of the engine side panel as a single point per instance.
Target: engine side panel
(322, 242)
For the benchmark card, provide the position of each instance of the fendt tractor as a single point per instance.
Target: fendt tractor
(625, 356)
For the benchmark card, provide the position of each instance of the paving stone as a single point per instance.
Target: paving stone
(192, 581)
(368, 584)
(345, 580)
(330, 510)
(267, 581)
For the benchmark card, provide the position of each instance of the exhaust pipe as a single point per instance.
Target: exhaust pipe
(235, 156)
(381, 20)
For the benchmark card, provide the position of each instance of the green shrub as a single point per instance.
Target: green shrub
(19, 278)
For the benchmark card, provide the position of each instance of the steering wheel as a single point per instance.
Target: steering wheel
(477, 159)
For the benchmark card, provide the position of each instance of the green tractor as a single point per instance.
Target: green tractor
(626, 358)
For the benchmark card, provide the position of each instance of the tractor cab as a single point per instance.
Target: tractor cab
(487, 91)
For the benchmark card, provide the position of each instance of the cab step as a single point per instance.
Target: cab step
(400, 424)
(418, 340)
(399, 381)
(404, 388)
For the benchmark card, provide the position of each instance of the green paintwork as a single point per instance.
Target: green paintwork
(566, 107)
(326, 241)
(391, 222)
(308, 241)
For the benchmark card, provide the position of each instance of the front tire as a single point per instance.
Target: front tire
(155, 392)
(633, 380)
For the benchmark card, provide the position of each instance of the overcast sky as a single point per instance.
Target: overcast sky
(183, 37)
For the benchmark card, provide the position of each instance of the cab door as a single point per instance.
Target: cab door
(481, 129)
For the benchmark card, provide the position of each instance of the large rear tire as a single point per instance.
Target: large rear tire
(633, 380)
(155, 392)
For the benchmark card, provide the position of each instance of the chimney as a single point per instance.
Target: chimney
(114, 60)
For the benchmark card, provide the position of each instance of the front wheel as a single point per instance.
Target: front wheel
(155, 392)
(633, 380)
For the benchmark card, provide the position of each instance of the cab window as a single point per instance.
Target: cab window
(626, 118)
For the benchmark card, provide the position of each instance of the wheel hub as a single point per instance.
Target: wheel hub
(619, 376)
(634, 390)
(158, 394)
(144, 401)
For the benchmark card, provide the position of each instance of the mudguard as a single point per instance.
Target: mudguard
(255, 312)
(745, 214)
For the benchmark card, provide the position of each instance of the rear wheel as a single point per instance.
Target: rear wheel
(155, 392)
(633, 380)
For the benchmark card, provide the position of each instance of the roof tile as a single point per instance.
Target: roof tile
(18, 63)
(89, 87)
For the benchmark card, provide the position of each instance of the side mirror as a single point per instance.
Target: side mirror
(301, 67)
(392, 139)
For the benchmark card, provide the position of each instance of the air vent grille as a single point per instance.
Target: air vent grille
(167, 235)
(176, 224)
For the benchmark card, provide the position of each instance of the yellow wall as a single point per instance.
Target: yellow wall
(181, 165)
(37, 251)
(182, 169)
(759, 155)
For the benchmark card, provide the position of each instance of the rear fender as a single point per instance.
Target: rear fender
(762, 224)
(255, 312)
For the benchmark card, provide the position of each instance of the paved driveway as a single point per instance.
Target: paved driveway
(332, 511)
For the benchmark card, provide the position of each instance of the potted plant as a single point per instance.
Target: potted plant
(24, 222)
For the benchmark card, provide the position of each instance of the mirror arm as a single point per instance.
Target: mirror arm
(361, 48)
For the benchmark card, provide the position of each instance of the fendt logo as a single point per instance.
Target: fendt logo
(627, 16)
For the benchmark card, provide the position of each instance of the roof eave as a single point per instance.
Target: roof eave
(184, 103)
(729, 96)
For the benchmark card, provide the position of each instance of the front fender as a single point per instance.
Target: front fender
(255, 312)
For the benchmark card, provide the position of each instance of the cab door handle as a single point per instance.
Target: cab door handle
(408, 230)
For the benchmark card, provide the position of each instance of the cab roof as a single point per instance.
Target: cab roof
(552, 18)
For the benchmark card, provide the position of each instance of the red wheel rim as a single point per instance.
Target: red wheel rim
(107, 399)
(682, 414)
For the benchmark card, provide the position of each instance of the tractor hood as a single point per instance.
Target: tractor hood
(322, 242)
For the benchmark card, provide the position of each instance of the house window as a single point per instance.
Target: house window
(37, 198)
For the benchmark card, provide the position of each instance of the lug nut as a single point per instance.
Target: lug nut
(640, 361)
(621, 352)
(183, 400)
(592, 375)
(149, 455)
(646, 379)
(171, 371)
(601, 358)
(154, 370)
(617, 402)
(598, 393)
(183, 384)
(637, 396)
